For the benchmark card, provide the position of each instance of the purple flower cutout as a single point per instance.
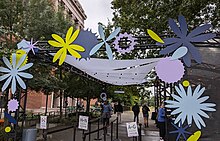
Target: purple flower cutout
(27, 46)
(186, 39)
(129, 48)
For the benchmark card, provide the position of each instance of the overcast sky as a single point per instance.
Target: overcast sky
(96, 11)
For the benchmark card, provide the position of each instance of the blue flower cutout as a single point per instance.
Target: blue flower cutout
(180, 130)
(27, 46)
(14, 73)
(186, 39)
(104, 41)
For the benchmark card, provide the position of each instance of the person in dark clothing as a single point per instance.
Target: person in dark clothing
(145, 111)
(161, 122)
(118, 110)
(136, 111)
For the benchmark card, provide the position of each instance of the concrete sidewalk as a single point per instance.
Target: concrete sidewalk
(148, 134)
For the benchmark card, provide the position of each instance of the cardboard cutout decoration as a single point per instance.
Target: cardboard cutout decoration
(180, 130)
(186, 39)
(19, 54)
(169, 71)
(27, 46)
(190, 105)
(154, 36)
(10, 118)
(7, 129)
(104, 41)
(129, 48)
(195, 136)
(88, 40)
(14, 73)
(13, 105)
(179, 53)
(66, 45)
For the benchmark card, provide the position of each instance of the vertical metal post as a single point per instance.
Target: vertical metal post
(97, 137)
(105, 132)
(117, 128)
(140, 136)
(90, 131)
(111, 131)
(61, 93)
(83, 135)
(74, 133)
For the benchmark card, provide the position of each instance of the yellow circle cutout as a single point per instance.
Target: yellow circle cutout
(185, 83)
(19, 54)
(195, 136)
(7, 129)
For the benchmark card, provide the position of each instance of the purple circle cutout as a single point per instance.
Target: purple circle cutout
(169, 71)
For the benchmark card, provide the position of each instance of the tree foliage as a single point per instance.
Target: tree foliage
(139, 15)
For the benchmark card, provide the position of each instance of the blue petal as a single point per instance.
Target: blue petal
(175, 28)
(187, 60)
(10, 118)
(21, 82)
(23, 44)
(13, 60)
(179, 53)
(7, 63)
(25, 75)
(96, 48)
(21, 61)
(7, 82)
(169, 41)
(194, 52)
(109, 51)
(183, 25)
(6, 70)
(202, 37)
(198, 30)
(25, 67)
(171, 48)
(3, 77)
(113, 34)
(101, 32)
(13, 85)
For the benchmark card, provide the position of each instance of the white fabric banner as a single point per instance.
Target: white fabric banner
(116, 72)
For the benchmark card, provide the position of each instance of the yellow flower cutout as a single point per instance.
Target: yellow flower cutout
(19, 54)
(72, 48)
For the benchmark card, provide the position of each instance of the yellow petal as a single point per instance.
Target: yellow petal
(195, 136)
(77, 47)
(73, 37)
(63, 57)
(57, 55)
(54, 43)
(74, 53)
(68, 34)
(154, 36)
(58, 38)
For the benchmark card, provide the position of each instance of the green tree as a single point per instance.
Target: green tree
(137, 16)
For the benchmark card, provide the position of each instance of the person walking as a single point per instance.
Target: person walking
(161, 122)
(106, 113)
(118, 110)
(136, 111)
(145, 111)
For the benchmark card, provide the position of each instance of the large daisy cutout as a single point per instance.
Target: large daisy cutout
(14, 73)
(66, 46)
(184, 38)
(190, 105)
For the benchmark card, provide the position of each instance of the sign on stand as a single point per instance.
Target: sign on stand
(43, 122)
(132, 129)
(83, 122)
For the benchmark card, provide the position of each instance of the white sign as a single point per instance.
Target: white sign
(83, 122)
(43, 122)
(119, 92)
(132, 129)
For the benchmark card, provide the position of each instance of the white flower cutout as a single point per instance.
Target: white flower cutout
(190, 105)
(14, 73)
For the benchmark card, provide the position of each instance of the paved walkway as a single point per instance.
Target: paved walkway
(148, 134)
